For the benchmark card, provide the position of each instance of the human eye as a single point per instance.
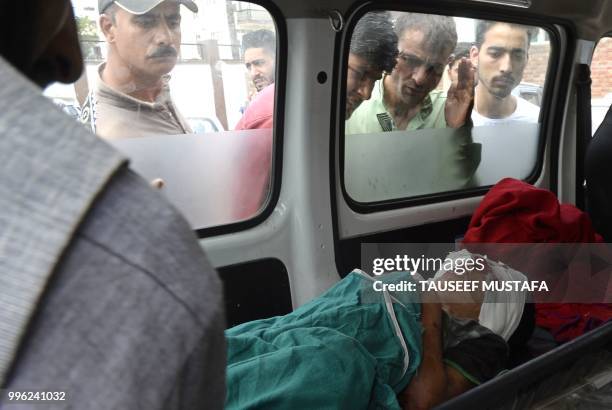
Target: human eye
(371, 77)
(357, 74)
(437, 69)
(409, 59)
(258, 63)
(495, 52)
(413, 61)
(174, 21)
(374, 76)
(519, 55)
(145, 21)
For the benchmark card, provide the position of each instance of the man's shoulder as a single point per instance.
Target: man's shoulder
(266, 94)
(525, 111)
(131, 294)
(135, 222)
(523, 104)
(260, 112)
(129, 308)
(438, 95)
(143, 235)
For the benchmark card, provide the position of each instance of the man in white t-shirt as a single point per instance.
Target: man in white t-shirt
(500, 56)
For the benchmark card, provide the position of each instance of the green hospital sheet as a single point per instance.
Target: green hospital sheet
(339, 351)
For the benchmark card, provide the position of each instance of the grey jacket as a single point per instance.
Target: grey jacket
(105, 293)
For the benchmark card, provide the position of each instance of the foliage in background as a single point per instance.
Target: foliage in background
(88, 33)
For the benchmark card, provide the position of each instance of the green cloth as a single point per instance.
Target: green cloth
(372, 116)
(339, 351)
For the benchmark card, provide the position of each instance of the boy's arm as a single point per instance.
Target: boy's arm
(434, 381)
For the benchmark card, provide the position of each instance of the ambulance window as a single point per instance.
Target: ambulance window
(601, 85)
(407, 133)
(187, 93)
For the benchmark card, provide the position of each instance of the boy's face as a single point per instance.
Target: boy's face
(501, 59)
(260, 64)
(360, 80)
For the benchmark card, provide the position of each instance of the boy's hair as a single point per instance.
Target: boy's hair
(438, 31)
(375, 41)
(483, 26)
(462, 50)
(263, 38)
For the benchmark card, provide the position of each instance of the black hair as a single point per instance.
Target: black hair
(263, 38)
(462, 50)
(18, 53)
(439, 32)
(483, 26)
(375, 41)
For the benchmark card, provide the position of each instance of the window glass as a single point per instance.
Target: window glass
(409, 131)
(186, 91)
(601, 85)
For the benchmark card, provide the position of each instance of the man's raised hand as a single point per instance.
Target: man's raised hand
(460, 96)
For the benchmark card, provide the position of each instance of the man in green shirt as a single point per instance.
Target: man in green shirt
(406, 99)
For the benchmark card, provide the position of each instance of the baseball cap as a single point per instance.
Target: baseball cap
(142, 6)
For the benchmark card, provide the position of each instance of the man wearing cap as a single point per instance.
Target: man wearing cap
(132, 95)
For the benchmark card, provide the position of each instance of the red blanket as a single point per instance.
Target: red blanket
(516, 212)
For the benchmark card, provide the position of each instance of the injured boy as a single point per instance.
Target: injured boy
(355, 348)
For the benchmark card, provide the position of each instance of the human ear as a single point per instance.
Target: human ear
(474, 53)
(107, 27)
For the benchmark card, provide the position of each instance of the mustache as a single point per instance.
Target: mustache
(504, 77)
(163, 51)
(412, 84)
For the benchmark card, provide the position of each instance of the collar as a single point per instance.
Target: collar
(118, 97)
(386, 120)
(426, 107)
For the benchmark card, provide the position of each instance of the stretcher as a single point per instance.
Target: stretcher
(581, 368)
